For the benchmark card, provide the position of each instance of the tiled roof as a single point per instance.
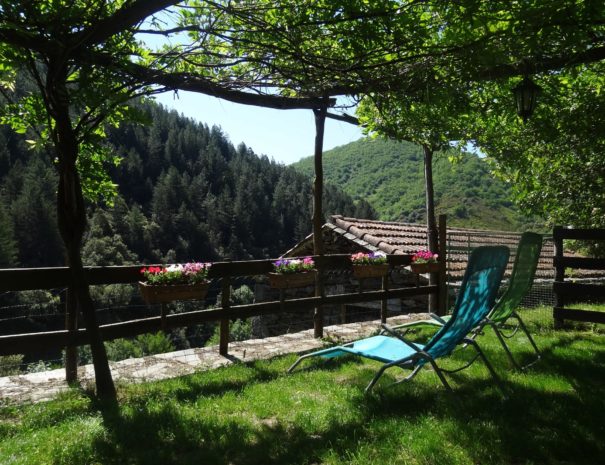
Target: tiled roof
(406, 238)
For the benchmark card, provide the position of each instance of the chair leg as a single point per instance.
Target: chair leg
(398, 363)
(488, 365)
(439, 372)
(531, 339)
(375, 378)
(300, 359)
(511, 359)
(313, 354)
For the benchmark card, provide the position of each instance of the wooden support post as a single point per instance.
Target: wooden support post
(318, 315)
(71, 325)
(559, 275)
(223, 347)
(384, 304)
(163, 313)
(318, 218)
(442, 275)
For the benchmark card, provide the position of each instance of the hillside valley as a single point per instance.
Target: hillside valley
(184, 192)
(390, 176)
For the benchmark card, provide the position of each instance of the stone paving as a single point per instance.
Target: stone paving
(36, 387)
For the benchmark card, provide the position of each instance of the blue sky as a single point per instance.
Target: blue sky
(284, 135)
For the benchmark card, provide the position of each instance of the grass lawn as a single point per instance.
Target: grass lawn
(249, 414)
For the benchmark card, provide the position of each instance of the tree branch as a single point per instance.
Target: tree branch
(121, 20)
(199, 84)
(540, 65)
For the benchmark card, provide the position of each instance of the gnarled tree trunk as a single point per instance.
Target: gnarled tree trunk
(72, 217)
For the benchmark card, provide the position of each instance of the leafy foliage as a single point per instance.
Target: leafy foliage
(189, 273)
(10, 364)
(289, 266)
(554, 163)
(424, 256)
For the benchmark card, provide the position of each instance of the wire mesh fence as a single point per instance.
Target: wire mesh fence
(31, 311)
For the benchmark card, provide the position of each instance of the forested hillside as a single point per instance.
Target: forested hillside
(185, 193)
(390, 176)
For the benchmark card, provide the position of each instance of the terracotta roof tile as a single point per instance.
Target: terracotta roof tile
(405, 238)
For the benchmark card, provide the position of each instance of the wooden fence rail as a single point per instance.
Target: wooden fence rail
(49, 278)
(222, 272)
(567, 292)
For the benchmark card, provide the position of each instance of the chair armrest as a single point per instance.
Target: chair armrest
(401, 338)
(414, 324)
(437, 318)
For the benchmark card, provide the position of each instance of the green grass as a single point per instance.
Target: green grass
(248, 414)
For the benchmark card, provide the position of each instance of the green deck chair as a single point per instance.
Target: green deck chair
(521, 280)
(477, 294)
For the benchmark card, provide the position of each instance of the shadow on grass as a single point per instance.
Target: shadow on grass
(232, 379)
(541, 422)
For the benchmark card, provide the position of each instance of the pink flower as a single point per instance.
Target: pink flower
(424, 256)
(189, 273)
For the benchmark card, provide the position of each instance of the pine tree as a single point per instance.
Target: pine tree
(8, 245)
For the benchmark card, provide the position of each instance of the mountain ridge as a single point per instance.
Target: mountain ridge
(390, 176)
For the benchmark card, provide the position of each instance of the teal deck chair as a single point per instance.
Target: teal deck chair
(478, 291)
(521, 280)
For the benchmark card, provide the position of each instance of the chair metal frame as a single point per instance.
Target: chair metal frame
(478, 292)
(520, 283)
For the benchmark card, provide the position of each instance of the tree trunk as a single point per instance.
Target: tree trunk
(318, 219)
(72, 220)
(431, 222)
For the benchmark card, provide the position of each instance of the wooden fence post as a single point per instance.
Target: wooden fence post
(71, 325)
(223, 347)
(318, 217)
(318, 314)
(559, 274)
(442, 283)
(384, 304)
(163, 314)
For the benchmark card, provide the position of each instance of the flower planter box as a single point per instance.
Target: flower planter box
(425, 267)
(370, 271)
(290, 280)
(162, 294)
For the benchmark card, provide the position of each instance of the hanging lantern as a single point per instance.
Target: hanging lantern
(526, 94)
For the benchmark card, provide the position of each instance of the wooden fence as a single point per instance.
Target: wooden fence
(565, 290)
(224, 272)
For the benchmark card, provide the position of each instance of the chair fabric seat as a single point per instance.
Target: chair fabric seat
(382, 348)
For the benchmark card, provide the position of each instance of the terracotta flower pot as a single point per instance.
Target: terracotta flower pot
(154, 294)
(421, 268)
(291, 280)
(370, 271)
